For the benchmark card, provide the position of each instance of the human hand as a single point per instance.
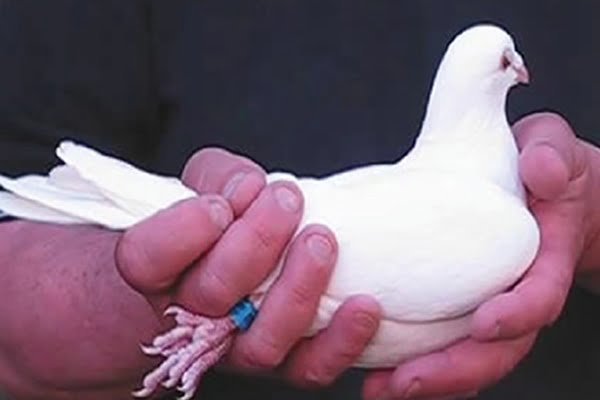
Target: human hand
(209, 252)
(560, 174)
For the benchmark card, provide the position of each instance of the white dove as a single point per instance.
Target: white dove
(430, 237)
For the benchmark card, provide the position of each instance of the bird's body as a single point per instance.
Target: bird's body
(437, 233)
(431, 236)
(430, 244)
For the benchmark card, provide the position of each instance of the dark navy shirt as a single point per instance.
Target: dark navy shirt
(308, 86)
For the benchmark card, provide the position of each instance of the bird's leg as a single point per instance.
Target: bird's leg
(193, 346)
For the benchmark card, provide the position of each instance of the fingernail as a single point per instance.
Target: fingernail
(233, 184)
(220, 213)
(287, 199)
(412, 390)
(320, 248)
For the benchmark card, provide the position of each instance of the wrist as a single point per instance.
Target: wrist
(102, 321)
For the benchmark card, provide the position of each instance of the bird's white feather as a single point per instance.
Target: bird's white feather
(85, 206)
(430, 237)
(66, 177)
(138, 192)
(20, 207)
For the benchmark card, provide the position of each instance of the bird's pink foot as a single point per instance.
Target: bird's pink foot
(194, 345)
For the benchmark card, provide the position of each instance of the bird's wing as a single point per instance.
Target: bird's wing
(136, 191)
(66, 177)
(90, 188)
(21, 207)
(38, 199)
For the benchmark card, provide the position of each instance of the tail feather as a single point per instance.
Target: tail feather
(20, 207)
(85, 206)
(136, 191)
(66, 177)
(90, 188)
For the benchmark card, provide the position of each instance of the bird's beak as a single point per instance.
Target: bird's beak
(522, 74)
(515, 61)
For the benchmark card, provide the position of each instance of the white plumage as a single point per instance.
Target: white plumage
(431, 237)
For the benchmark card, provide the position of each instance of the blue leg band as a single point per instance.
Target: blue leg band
(243, 314)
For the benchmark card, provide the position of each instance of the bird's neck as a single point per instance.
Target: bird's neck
(469, 135)
(452, 104)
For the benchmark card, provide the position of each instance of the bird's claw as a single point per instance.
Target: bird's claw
(193, 346)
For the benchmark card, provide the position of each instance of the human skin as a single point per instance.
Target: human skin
(562, 176)
(563, 197)
(77, 301)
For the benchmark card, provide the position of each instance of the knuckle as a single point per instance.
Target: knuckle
(302, 293)
(344, 357)
(260, 238)
(214, 295)
(364, 325)
(213, 214)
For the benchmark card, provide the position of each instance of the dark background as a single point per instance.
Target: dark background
(308, 86)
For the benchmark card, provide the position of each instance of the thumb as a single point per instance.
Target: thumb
(550, 156)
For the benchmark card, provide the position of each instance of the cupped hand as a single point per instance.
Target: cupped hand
(209, 252)
(559, 174)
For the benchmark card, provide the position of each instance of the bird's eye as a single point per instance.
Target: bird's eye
(505, 62)
(508, 57)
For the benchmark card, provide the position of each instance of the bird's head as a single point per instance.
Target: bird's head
(484, 56)
(478, 69)
(513, 65)
(466, 114)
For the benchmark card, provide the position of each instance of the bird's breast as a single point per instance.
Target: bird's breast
(426, 245)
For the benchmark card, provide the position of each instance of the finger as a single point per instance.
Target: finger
(550, 157)
(237, 178)
(465, 367)
(153, 254)
(376, 387)
(455, 396)
(291, 303)
(246, 253)
(537, 300)
(320, 360)
(375, 384)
